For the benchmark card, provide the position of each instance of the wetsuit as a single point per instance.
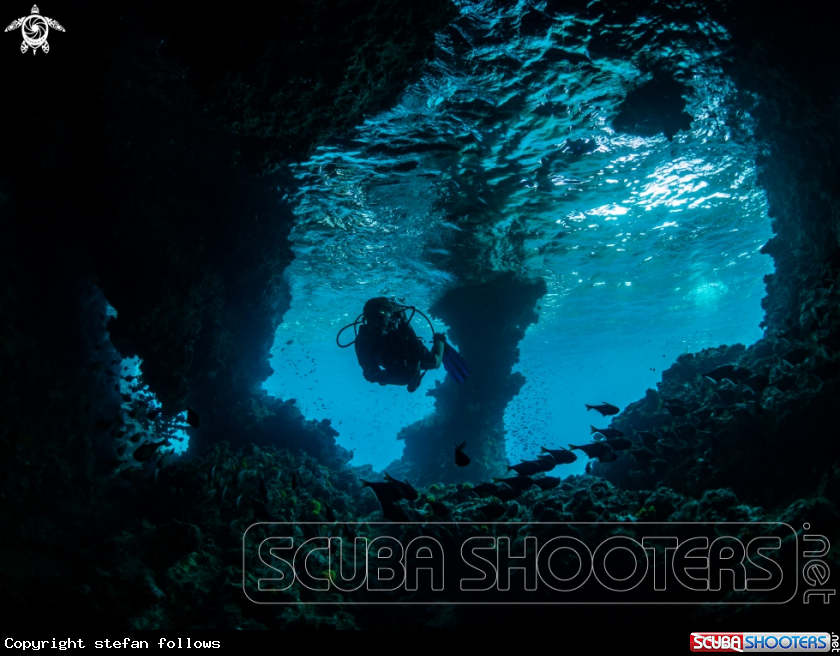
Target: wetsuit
(392, 358)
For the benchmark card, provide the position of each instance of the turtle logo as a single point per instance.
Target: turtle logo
(35, 29)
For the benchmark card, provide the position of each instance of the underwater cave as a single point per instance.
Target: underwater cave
(622, 215)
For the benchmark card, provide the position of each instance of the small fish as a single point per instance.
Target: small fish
(492, 511)
(516, 482)
(593, 449)
(561, 456)
(484, 489)
(394, 512)
(291, 341)
(589, 467)
(606, 409)
(147, 450)
(607, 432)
(294, 483)
(527, 468)
(192, 418)
(385, 492)
(547, 482)
(618, 444)
(409, 493)
(153, 414)
(136, 438)
(439, 509)
(121, 449)
(461, 458)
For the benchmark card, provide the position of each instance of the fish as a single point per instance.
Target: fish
(484, 489)
(527, 468)
(505, 492)
(121, 449)
(409, 493)
(648, 438)
(758, 382)
(153, 414)
(192, 418)
(492, 511)
(516, 482)
(642, 455)
(704, 414)
(136, 437)
(685, 430)
(608, 457)
(439, 509)
(593, 449)
(607, 432)
(588, 469)
(394, 512)
(385, 492)
(796, 356)
(546, 462)
(606, 409)
(147, 450)
(784, 384)
(294, 483)
(619, 443)
(826, 371)
(461, 458)
(547, 482)
(329, 513)
(728, 396)
(561, 456)
(729, 371)
(676, 410)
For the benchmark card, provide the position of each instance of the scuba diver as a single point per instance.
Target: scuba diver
(391, 353)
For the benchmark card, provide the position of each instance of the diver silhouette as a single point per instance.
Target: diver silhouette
(390, 352)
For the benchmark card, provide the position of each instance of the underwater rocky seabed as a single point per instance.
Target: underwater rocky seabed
(135, 165)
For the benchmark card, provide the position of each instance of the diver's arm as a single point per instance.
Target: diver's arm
(432, 359)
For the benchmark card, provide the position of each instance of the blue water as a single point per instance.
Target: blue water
(649, 247)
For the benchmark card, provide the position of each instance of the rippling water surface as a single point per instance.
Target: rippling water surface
(504, 156)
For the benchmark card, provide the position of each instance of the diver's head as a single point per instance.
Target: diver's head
(382, 315)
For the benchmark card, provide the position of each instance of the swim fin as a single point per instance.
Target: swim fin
(455, 365)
